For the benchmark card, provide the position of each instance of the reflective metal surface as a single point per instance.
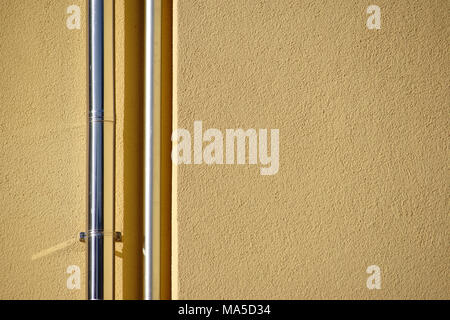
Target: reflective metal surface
(148, 187)
(96, 139)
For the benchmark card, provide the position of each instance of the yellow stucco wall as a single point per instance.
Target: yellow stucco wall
(43, 110)
(363, 119)
(42, 149)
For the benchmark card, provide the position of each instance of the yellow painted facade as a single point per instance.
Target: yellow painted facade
(42, 149)
(363, 120)
(43, 105)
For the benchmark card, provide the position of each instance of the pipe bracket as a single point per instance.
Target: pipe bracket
(83, 237)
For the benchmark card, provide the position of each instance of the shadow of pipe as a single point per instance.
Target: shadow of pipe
(166, 149)
(54, 249)
(133, 149)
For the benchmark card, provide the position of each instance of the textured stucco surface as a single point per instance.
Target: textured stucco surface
(43, 122)
(43, 106)
(364, 149)
(42, 149)
(363, 119)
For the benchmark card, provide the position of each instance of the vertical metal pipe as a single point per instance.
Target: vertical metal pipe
(96, 140)
(148, 187)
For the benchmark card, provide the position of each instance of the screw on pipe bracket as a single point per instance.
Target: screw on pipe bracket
(118, 237)
(83, 237)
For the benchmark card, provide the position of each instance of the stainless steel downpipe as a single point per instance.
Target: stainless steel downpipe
(96, 125)
(100, 235)
(149, 155)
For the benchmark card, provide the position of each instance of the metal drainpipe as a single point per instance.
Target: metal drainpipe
(148, 186)
(95, 233)
(96, 219)
(100, 235)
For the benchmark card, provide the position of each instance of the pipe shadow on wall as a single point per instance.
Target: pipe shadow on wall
(133, 150)
(166, 147)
